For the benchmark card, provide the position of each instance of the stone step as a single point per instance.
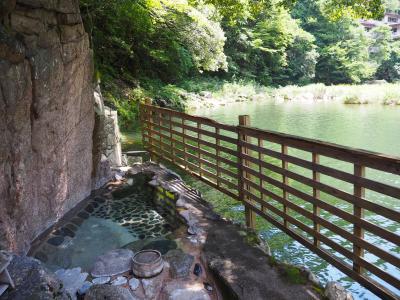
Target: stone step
(135, 153)
(3, 288)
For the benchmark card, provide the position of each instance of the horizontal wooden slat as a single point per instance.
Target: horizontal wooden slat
(335, 246)
(386, 256)
(202, 151)
(194, 145)
(374, 207)
(372, 285)
(365, 182)
(201, 141)
(214, 176)
(205, 121)
(368, 159)
(206, 132)
(340, 249)
(196, 175)
(388, 235)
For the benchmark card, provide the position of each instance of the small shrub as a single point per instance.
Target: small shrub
(354, 100)
(391, 98)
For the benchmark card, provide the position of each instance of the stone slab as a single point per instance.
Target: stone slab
(114, 262)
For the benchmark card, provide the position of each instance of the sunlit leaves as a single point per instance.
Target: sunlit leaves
(389, 69)
(236, 10)
(347, 60)
(382, 43)
(366, 9)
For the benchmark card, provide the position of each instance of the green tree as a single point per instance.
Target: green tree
(147, 47)
(367, 9)
(346, 61)
(244, 9)
(168, 39)
(380, 48)
(389, 69)
(272, 49)
(342, 44)
(302, 58)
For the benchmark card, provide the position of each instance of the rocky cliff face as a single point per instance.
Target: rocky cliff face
(106, 144)
(46, 116)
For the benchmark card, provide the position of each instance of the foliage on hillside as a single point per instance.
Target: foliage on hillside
(150, 48)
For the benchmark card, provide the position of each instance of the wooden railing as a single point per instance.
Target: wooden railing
(331, 199)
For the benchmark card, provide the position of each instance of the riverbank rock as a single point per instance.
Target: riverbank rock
(33, 281)
(335, 291)
(72, 279)
(243, 270)
(109, 292)
(180, 263)
(114, 262)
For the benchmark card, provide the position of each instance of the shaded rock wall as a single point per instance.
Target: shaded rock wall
(107, 144)
(46, 116)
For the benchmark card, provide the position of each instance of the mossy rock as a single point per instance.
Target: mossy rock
(251, 237)
(293, 274)
(272, 261)
(319, 290)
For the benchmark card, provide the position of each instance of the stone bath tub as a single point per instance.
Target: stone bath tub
(116, 217)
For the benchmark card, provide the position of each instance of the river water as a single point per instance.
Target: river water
(369, 127)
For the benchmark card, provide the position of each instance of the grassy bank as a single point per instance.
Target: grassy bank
(225, 93)
(194, 93)
(384, 93)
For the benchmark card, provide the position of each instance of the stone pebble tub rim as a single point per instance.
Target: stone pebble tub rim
(145, 266)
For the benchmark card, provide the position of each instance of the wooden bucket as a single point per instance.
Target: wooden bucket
(147, 263)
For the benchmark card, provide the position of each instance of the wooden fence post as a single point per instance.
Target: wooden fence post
(143, 119)
(185, 156)
(316, 195)
(151, 128)
(359, 191)
(218, 153)
(199, 137)
(172, 139)
(244, 120)
(285, 181)
(261, 158)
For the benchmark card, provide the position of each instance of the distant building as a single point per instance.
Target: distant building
(391, 19)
